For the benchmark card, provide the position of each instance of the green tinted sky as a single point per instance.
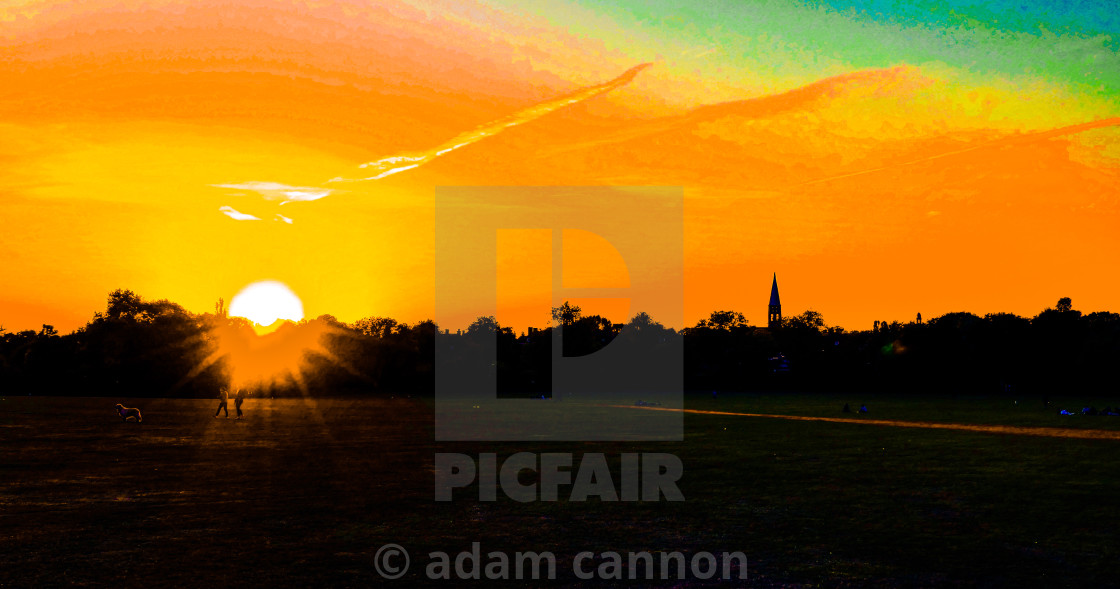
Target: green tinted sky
(776, 44)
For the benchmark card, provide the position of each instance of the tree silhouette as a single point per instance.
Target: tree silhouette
(123, 304)
(138, 347)
(566, 314)
(380, 327)
(483, 326)
(809, 321)
(724, 320)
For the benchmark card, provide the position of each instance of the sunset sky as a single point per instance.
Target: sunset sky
(884, 158)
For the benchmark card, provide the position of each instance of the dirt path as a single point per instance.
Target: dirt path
(1051, 432)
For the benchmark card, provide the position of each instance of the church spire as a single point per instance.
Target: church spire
(774, 315)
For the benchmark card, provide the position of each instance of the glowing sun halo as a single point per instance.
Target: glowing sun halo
(265, 302)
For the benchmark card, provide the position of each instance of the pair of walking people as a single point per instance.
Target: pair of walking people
(223, 402)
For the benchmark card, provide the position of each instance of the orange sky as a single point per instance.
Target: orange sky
(877, 186)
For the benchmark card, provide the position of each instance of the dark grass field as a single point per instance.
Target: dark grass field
(303, 493)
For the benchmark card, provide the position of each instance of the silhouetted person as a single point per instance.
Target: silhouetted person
(847, 409)
(863, 408)
(223, 402)
(238, 400)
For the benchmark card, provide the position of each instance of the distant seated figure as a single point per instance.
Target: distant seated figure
(863, 408)
(847, 409)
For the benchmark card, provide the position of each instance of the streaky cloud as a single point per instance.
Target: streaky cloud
(274, 191)
(395, 164)
(800, 99)
(392, 171)
(236, 215)
(388, 166)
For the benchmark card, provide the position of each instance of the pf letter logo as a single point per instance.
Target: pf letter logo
(643, 364)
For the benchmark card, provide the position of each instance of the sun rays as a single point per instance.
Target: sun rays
(264, 362)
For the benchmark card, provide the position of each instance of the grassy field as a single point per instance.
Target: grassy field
(304, 492)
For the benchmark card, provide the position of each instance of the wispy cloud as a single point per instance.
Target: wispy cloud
(395, 164)
(237, 215)
(275, 191)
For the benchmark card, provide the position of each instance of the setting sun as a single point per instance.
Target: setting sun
(265, 302)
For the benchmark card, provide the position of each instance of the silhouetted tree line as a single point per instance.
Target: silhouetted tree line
(1058, 351)
(143, 348)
